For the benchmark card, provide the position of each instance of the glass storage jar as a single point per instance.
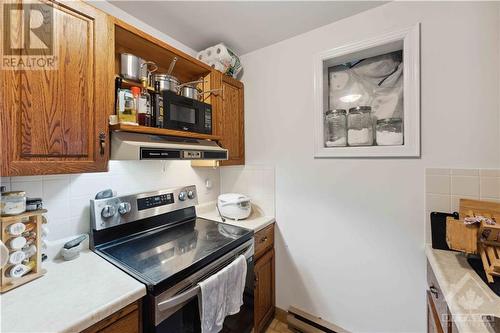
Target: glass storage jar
(13, 203)
(336, 128)
(360, 126)
(389, 132)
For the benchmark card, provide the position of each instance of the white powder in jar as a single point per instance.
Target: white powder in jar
(386, 138)
(360, 137)
(340, 142)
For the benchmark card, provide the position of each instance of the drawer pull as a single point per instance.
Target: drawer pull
(263, 240)
(434, 291)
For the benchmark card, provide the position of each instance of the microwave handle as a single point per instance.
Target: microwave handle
(181, 298)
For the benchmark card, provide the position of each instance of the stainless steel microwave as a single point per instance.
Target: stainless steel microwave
(186, 114)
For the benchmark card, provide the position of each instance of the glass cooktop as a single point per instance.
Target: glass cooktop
(157, 255)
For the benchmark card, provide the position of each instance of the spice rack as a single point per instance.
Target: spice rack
(36, 217)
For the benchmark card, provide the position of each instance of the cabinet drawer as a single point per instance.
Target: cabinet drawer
(264, 240)
(437, 296)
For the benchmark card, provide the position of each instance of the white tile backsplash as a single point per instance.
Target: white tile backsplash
(489, 187)
(67, 197)
(258, 182)
(479, 184)
(465, 185)
(438, 184)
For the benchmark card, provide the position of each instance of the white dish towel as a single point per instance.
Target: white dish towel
(222, 295)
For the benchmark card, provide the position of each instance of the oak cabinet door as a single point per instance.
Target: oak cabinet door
(264, 291)
(230, 122)
(55, 120)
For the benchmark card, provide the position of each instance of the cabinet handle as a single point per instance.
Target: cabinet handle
(102, 143)
(434, 291)
(263, 240)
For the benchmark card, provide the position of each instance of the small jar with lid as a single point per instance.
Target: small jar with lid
(13, 203)
(389, 132)
(360, 126)
(336, 128)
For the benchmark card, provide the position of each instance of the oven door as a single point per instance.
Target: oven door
(177, 309)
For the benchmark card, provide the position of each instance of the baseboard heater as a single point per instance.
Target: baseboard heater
(303, 322)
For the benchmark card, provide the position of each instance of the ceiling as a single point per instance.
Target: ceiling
(244, 26)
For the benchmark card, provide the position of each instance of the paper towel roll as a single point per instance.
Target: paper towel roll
(222, 55)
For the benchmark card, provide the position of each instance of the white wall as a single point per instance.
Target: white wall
(351, 231)
(67, 196)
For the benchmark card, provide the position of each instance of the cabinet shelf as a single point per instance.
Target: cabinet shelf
(162, 131)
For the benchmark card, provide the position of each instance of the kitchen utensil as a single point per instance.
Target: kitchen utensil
(33, 204)
(166, 82)
(190, 90)
(171, 67)
(71, 250)
(234, 206)
(130, 66)
(108, 193)
(13, 203)
(147, 73)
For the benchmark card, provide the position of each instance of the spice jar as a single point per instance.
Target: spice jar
(360, 126)
(336, 128)
(389, 132)
(13, 203)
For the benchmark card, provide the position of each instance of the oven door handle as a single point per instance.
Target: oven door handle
(181, 298)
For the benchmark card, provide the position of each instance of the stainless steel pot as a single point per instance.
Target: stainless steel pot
(166, 82)
(190, 92)
(130, 66)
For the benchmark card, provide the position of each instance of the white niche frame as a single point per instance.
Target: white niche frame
(407, 40)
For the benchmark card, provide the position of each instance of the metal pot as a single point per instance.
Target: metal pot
(190, 92)
(166, 82)
(131, 66)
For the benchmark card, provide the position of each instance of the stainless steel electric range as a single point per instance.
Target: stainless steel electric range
(157, 238)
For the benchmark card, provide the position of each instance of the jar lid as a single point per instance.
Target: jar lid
(336, 111)
(389, 121)
(361, 109)
(14, 194)
(33, 200)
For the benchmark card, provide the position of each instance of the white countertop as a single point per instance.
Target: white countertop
(256, 221)
(70, 297)
(467, 296)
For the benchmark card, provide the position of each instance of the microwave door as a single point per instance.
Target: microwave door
(183, 116)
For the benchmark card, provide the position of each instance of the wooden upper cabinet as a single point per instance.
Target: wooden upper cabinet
(229, 117)
(55, 121)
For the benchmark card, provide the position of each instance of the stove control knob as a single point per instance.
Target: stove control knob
(182, 196)
(124, 208)
(108, 211)
(191, 194)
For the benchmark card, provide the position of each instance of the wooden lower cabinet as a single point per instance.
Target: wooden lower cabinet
(265, 289)
(126, 320)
